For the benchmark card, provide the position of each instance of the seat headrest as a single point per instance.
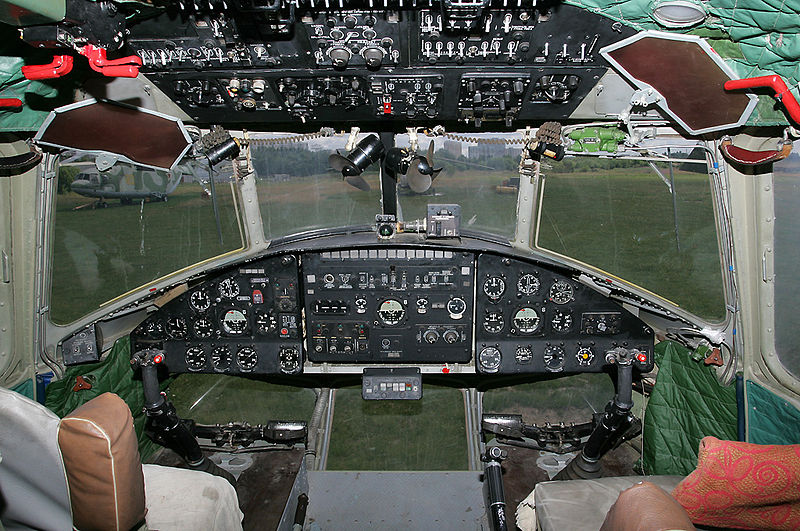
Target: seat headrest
(101, 459)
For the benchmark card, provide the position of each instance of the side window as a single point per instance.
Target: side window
(646, 221)
(119, 229)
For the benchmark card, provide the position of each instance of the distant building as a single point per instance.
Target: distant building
(487, 151)
(453, 147)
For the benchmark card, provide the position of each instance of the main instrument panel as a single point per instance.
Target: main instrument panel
(378, 62)
(375, 306)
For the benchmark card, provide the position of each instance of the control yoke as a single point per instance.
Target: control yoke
(606, 432)
(163, 423)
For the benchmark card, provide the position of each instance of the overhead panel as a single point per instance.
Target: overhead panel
(687, 75)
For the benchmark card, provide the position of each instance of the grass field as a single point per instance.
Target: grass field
(623, 222)
(426, 434)
(100, 253)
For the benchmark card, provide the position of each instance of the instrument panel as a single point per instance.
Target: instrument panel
(384, 305)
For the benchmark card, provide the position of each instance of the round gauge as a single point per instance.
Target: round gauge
(200, 300)
(528, 284)
(195, 358)
(266, 323)
(489, 359)
(391, 312)
(561, 292)
(221, 358)
(523, 354)
(584, 356)
(494, 287)
(246, 358)
(456, 307)
(154, 329)
(554, 358)
(176, 326)
(228, 288)
(493, 322)
(289, 360)
(234, 322)
(561, 321)
(526, 320)
(203, 328)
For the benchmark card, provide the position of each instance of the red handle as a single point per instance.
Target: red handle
(122, 67)
(782, 92)
(61, 65)
(10, 103)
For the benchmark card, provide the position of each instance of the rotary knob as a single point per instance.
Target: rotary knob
(339, 56)
(431, 336)
(450, 336)
(373, 56)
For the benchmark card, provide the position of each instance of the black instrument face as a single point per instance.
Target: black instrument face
(237, 322)
(388, 305)
(555, 324)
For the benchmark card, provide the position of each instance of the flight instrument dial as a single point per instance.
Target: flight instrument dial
(234, 322)
(494, 287)
(561, 292)
(203, 328)
(228, 288)
(490, 359)
(561, 320)
(391, 312)
(528, 284)
(200, 300)
(493, 322)
(221, 358)
(246, 358)
(554, 358)
(527, 320)
(456, 307)
(195, 358)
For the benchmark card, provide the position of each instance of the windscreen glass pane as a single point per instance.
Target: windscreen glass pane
(299, 190)
(479, 172)
(649, 222)
(121, 228)
(425, 434)
(787, 256)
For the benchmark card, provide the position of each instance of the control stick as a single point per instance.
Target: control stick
(613, 425)
(163, 424)
(493, 474)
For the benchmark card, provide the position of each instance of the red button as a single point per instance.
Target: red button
(158, 358)
(387, 107)
(284, 331)
(642, 357)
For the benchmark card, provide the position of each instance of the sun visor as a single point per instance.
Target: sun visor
(687, 74)
(130, 134)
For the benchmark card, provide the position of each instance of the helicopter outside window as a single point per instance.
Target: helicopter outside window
(121, 228)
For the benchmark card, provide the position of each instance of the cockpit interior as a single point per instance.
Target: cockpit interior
(399, 264)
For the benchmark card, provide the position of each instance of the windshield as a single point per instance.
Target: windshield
(649, 222)
(121, 228)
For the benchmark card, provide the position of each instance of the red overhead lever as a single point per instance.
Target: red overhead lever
(122, 67)
(782, 92)
(61, 66)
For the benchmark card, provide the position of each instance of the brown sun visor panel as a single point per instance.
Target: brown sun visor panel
(133, 134)
(687, 74)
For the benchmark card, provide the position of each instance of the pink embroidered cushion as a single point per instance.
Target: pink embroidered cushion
(743, 486)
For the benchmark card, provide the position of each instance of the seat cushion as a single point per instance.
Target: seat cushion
(579, 504)
(646, 507)
(33, 488)
(180, 499)
(101, 457)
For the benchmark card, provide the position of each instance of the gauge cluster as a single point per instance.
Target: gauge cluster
(530, 319)
(244, 321)
(389, 306)
(385, 305)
